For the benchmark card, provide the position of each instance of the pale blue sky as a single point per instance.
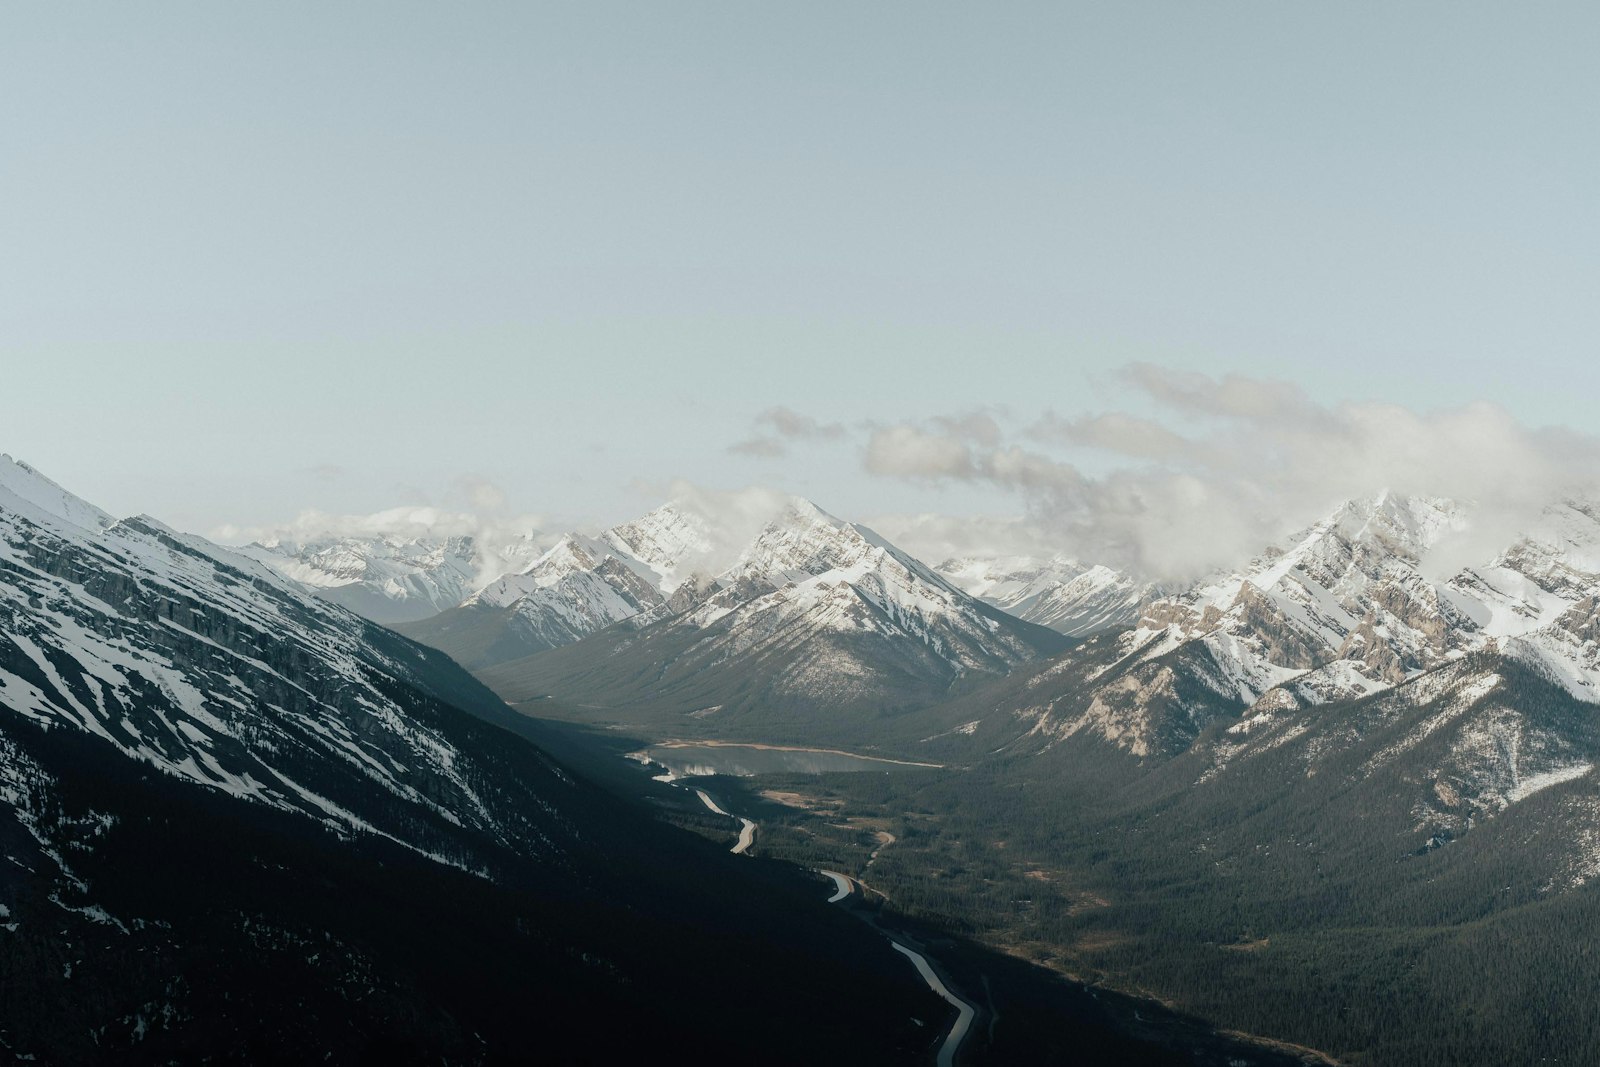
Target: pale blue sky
(255, 258)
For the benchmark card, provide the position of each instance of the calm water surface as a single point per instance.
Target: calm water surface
(690, 759)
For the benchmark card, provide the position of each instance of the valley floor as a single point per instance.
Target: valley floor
(1021, 1012)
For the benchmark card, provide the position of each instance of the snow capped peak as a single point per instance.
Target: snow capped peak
(23, 488)
(639, 566)
(667, 543)
(802, 571)
(804, 542)
(1349, 605)
(799, 510)
(582, 584)
(1013, 582)
(1356, 543)
(657, 551)
(1411, 523)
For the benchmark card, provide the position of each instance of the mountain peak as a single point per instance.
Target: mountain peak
(664, 546)
(37, 494)
(799, 509)
(1416, 522)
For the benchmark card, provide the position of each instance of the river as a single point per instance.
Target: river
(747, 828)
(694, 759)
(844, 886)
(965, 1012)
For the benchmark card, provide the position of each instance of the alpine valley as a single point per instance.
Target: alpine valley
(1338, 805)
(241, 823)
(1335, 797)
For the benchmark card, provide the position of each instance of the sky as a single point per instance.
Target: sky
(1155, 279)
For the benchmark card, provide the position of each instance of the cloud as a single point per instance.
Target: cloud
(325, 472)
(935, 538)
(484, 496)
(408, 521)
(776, 427)
(1122, 434)
(733, 518)
(979, 427)
(943, 450)
(789, 423)
(1191, 474)
(907, 451)
(1232, 396)
(1239, 463)
(759, 448)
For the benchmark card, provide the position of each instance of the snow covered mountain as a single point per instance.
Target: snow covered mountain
(1073, 598)
(390, 578)
(1341, 689)
(816, 616)
(239, 820)
(581, 585)
(1343, 610)
(809, 570)
(1348, 609)
(207, 666)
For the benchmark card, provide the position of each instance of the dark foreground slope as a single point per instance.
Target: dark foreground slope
(183, 925)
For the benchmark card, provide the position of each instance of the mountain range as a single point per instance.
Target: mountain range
(1342, 610)
(235, 809)
(821, 630)
(1341, 795)
(554, 595)
(237, 818)
(1073, 598)
(391, 578)
(815, 616)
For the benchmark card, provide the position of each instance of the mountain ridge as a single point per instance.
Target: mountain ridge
(238, 818)
(816, 617)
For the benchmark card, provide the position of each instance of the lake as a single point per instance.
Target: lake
(686, 759)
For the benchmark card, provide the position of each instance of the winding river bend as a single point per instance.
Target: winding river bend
(845, 886)
(965, 1012)
(747, 829)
